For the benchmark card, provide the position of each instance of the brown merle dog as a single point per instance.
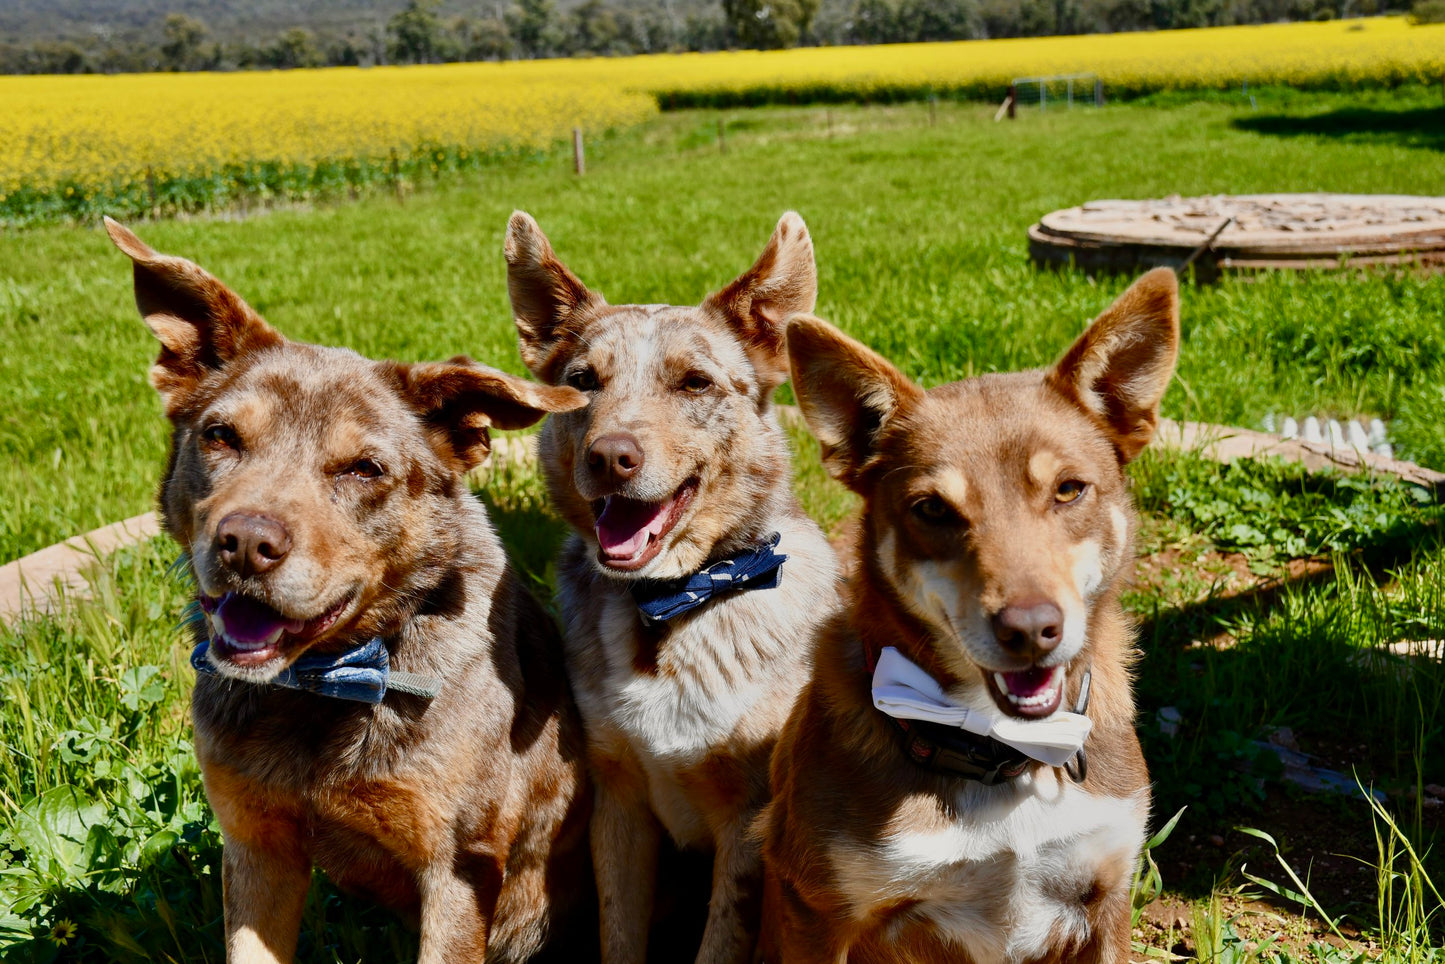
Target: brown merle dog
(677, 472)
(321, 499)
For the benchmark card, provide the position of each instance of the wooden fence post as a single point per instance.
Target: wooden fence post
(1013, 99)
(579, 159)
(1098, 92)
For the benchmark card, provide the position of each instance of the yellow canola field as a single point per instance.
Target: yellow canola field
(104, 130)
(101, 129)
(1332, 54)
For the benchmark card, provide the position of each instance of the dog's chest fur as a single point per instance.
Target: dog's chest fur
(717, 680)
(1002, 873)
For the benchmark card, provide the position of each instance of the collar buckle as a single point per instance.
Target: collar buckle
(1078, 767)
(953, 752)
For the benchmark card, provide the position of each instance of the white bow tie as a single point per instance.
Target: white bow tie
(904, 691)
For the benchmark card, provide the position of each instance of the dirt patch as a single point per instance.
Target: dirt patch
(1206, 869)
(1171, 928)
(1193, 573)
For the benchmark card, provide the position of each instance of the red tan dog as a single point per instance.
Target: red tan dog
(677, 468)
(436, 764)
(944, 816)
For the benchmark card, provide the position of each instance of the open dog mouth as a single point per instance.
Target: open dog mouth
(247, 632)
(1030, 693)
(630, 532)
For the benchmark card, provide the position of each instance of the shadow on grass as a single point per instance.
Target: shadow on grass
(1288, 654)
(1420, 127)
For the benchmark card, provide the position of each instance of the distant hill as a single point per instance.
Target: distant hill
(252, 20)
(83, 19)
(118, 36)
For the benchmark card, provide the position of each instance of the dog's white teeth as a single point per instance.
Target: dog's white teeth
(254, 645)
(1002, 685)
(1038, 699)
(1043, 698)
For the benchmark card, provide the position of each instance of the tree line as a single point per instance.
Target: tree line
(524, 29)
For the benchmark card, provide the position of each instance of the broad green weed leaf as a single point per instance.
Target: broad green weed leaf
(83, 744)
(158, 846)
(141, 686)
(55, 827)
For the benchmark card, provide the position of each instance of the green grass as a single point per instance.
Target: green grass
(244, 185)
(920, 234)
(1272, 511)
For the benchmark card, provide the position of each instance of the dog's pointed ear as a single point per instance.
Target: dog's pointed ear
(201, 324)
(548, 300)
(1119, 368)
(461, 400)
(783, 282)
(848, 393)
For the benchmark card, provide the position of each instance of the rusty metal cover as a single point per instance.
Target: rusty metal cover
(1245, 232)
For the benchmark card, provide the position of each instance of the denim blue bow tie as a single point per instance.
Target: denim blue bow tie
(758, 568)
(362, 674)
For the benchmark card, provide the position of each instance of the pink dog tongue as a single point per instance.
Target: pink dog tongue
(249, 621)
(625, 524)
(1029, 682)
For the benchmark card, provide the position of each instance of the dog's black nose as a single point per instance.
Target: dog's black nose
(1029, 628)
(615, 458)
(251, 544)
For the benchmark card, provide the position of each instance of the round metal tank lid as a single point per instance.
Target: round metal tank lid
(1245, 232)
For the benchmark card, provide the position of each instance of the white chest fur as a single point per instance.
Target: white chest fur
(1005, 870)
(725, 675)
(711, 675)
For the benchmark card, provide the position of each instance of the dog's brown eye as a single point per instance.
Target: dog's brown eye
(696, 383)
(584, 380)
(1070, 491)
(933, 510)
(365, 469)
(220, 436)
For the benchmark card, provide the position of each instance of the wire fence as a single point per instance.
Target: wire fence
(1059, 91)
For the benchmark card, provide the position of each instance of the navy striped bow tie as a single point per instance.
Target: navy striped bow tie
(757, 568)
(362, 674)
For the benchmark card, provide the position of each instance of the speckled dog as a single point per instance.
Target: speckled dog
(687, 637)
(377, 694)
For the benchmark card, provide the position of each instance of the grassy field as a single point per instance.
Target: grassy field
(81, 146)
(921, 243)
(1265, 595)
